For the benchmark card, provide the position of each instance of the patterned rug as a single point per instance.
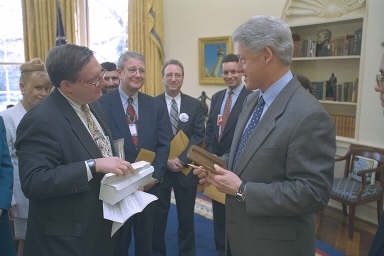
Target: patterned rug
(204, 231)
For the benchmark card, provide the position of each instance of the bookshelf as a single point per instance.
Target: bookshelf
(332, 64)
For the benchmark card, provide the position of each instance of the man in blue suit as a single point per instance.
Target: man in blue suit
(186, 114)
(134, 116)
(221, 125)
(6, 181)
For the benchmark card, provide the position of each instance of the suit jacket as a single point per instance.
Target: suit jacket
(212, 130)
(288, 166)
(6, 181)
(193, 128)
(152, 133)
(12, 117)
(65, 213)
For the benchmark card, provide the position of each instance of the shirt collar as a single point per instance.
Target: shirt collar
(271, 93)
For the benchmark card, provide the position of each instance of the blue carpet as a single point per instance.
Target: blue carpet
(205, 242)
(203, 232)
(204, 237)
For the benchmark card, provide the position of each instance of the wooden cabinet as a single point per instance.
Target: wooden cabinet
(329, 55)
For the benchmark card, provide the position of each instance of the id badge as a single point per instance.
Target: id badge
(219, 120)
(133, 129)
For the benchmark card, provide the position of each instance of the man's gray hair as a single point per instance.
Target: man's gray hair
(266, 31)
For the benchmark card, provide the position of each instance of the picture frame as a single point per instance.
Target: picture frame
(211, 52)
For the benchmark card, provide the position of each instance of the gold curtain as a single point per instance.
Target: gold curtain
(68, 13)
(145, 35)
(39, 27)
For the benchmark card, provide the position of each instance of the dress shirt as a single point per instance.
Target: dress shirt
(168, 100)
(124, 100)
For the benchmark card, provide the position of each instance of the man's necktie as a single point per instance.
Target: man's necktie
(131, 120)
(251, 126)
(174, 116)
(102, 143)
(226, 112)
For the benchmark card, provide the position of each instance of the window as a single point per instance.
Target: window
(11, 52)
(108, 28)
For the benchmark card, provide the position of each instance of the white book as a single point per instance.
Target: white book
(115, 188)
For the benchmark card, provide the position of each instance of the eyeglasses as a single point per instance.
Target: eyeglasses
(176, 76)
(97, 81)
(134, 70)
(380, 80)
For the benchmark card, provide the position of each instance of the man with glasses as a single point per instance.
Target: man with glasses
(111, 77)
(134, 116)
(185, 114)
(64, 151)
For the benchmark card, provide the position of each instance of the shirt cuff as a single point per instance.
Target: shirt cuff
(89, 173)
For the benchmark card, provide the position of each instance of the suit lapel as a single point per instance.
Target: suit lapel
(235, 111)
(77, 125)
(265, 126)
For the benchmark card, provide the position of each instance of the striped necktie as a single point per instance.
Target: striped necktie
(249, 129)
(226, 112)
(101, 141)
(131, 119)
(174, 116)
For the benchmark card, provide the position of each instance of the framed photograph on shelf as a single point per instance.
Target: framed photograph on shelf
(211, 52)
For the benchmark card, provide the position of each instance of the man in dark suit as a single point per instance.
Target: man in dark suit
(6, 181)
(63, 149)
(185, 114)
(280, 167)
(224, 112)
(146, 130)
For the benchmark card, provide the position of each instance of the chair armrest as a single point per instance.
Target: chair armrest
(341, 158)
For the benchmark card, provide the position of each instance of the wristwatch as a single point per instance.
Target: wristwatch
(91, 163)
(240, 194)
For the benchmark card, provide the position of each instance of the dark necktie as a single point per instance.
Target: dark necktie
(226, 112)
(131, 120)
(174, 116)
(251, 126)
(100, 140)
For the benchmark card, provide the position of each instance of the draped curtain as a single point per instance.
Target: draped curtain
(69, 13)
(40, 25)
(145, 35)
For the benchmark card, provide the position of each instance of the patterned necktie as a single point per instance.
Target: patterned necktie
(174, 116)
(226, 112)
(131, 119)
(251, 126)
(100, 140)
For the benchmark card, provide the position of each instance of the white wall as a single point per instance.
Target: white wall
(187, 20)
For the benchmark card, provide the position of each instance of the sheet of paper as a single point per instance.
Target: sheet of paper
(123, 210)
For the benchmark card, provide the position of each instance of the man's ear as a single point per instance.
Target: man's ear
(268, 54)
(22, 87)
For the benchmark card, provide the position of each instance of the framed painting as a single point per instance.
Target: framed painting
(211, 52)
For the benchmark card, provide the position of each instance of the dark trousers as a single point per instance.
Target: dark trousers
(185, 205)
(218, 210)
(377, 247)
(142, 226)
(7, 246)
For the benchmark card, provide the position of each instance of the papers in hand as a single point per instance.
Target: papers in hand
(115, 188)
(127, 207)
(120, 196)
